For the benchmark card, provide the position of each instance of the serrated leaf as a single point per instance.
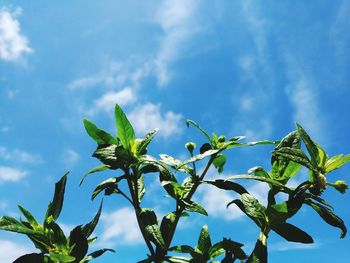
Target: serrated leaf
(55, 207)
(100, 136)
(99, 168)
(292, 233)
(126, 132)
(329, 217)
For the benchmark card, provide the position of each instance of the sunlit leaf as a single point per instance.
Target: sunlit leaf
(126, 132)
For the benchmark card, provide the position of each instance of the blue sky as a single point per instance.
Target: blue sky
(249, 68)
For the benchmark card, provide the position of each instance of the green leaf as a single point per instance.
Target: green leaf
(141, 188)
(201, 156)
(126, 132)
(58, 235)
(108, 185)
(183, 249)
(292, 233)
(141, 148)
(61, 257)
(194, 207)
(295, 155)
(231, 145)
(30, 258)
(90, 227)
(328, 216)
(283, 170)
(204, 241)
(219, 162)
(97, 254)
(165, 173)
(79, 242)
(227, 185)
(166, 226)
(252, 208)
(150, 224)
(175, 259)
(336, 162)
(100, 136)
(176, 164)
(259, 254)
(114, 156)
(31, 220)
(10, 224)
(188, 122)
(261, 179)
(99, 168)
(310, 146)
(55, 207)
(228, 246)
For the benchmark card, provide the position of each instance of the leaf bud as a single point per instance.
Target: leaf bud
(190, 146)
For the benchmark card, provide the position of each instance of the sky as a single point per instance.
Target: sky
(251, 68)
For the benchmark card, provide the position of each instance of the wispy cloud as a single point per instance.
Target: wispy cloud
(19, 155)
(287, 246)
(177, 19)
(13, 251)
(9, 174)
(12, 43)
(108, 100)
(70, 157)
(148, 116)
(120, 227)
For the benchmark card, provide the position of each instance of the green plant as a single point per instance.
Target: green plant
(49, 237)
(129, 155)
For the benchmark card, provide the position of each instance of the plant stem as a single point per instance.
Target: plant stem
(136, 204)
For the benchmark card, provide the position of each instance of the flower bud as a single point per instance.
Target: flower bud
(190, 146)
(340, 186)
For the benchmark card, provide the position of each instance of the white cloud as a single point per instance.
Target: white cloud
(8, 174)
(107, 102)
(176, 17)
(70, 157)
(12, 43)
(303, 97)
(3, 205)
(19, 155)
(147, 117)
(13, 251)
(120, 227)
(214, 200)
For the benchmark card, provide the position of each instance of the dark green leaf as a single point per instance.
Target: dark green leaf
(114, 156)
(31, 220)
(110, 184)
(292, 233)
(150, 224)
(90, 227)
(259, 254)
(295, 155)
(126, 132)
(175, 259)
(227, 185)
(10, 224)
(55, 206)
(194, 207)
(310, 145)
(141, 148)
(100, 136)
(58, 235)
(204, 241)
(99, 168)
(183, 249)
(205, 147)
(79, 241)
(98, 253)
(166, 226)
(30, 258)
(329, 217)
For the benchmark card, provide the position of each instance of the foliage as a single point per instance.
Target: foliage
(49, 237)
(128, 155)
